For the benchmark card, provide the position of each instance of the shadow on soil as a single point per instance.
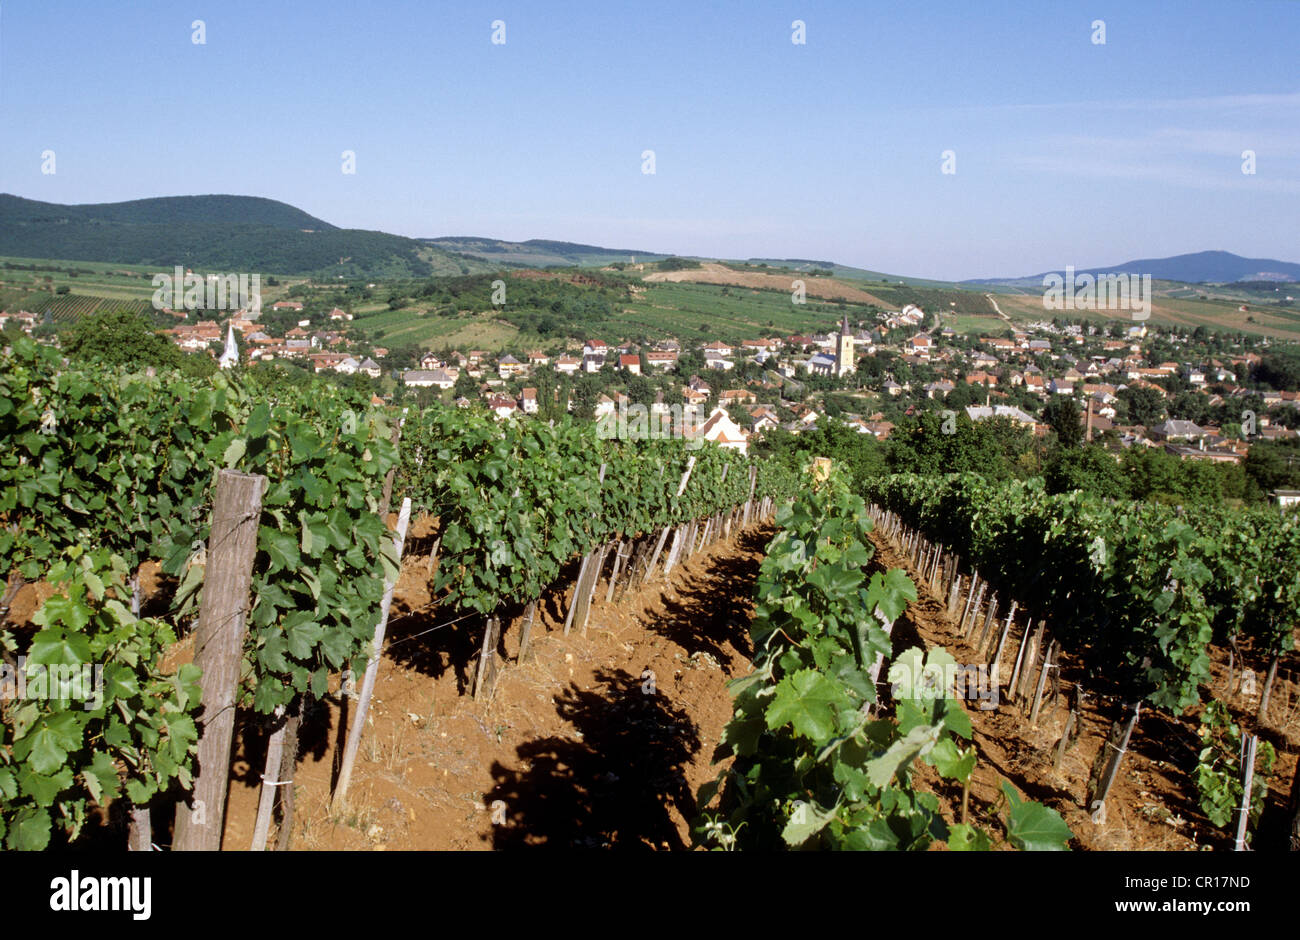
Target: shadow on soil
(614, 787)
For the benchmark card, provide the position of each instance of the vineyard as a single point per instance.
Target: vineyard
(262, 518)
(111, 470)
(68, 308)
(1138, 600)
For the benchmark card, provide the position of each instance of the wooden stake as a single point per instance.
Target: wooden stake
(485, 675)
(996, 658)
(1042, 681)
(618, 563)
(1248, 781)
(1031, 664)
(990, 617)
(1262, 715)
(219, 652)
(577, 592)
(372, 668)
(593, 578)
(274, 753)
(1067, 736)
(1020, 656)
(288, 768)
(526, 636)
(1098, 803)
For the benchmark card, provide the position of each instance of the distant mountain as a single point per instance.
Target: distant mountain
(538, 252)
(251, 210)
(1216, 267)
(226, 233)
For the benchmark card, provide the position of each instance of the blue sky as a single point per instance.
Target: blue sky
(1067, 152)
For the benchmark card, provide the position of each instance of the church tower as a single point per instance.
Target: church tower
(844, 360)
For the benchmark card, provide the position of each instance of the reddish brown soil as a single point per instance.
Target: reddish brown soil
(1152, 804)
(711, 272)
(572, 748)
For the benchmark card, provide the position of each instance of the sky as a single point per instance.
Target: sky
(1066, 151)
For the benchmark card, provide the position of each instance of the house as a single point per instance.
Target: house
(892, 388)
(721, 430)
(568, 365)
(604, 406)
(761, 417)
(723, 365)
(1287, 499)
(920, 345)
(984, 412)
(536, 358)
(661, 359)
(630, 363)
(736, 396)
(287, 305)
(508, 365)
(938, 389)
(322, 362)
(370, 368)
(719, 349)
(502, 406)
(337, 314)
(1176, 430)
(428, 378)
(528, 401)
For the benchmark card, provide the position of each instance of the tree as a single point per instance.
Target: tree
(1143, 406)
(1280, 370)
(1274, 465)
(1062, 415)
(120, 338)
(1090, 469)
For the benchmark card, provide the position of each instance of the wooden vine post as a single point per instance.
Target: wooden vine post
(1248, 781)
(219, 651)
(140, 834)
(372, 669)
(526, 635)
(1108, 762)
(274, 754)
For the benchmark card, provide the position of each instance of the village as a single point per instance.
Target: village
(869, 376)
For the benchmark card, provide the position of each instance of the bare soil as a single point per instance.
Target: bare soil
(710, 272)
(1152, 804)
(599, 740)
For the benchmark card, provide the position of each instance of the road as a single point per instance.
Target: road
(997, 309)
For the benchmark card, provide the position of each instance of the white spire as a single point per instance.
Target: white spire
(230, 355)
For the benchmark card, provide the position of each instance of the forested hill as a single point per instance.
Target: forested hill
(251, 210)
(234, 233)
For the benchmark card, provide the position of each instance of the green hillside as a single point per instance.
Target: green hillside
(538, 252)
(231, 233)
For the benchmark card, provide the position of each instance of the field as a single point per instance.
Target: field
(1166, 309)
(713, 273)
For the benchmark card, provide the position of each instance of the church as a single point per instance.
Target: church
(842, 362)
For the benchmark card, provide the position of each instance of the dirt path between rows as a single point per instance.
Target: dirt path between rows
(594, 741)
(1152, 804)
